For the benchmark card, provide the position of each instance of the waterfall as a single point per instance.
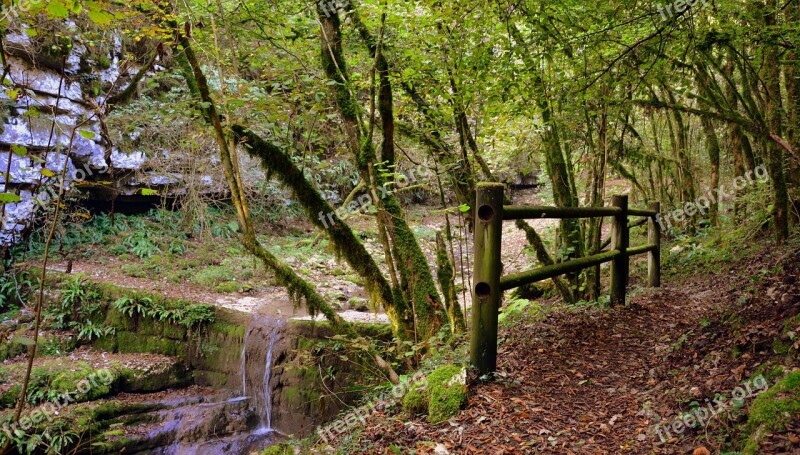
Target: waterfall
(268, 375)
(244, 362)
(256, 365)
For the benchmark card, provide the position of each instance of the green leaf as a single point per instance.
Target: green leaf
(6, 198)
(31, 32)
(100, 17)
(57, 9)
(86, 134)
(13, 94)
(464, 208)
(47, 172)
(19, 150)
(149, 192)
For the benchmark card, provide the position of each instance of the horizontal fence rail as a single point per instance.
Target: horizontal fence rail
(515, 212)
(576, 265)
(490, 285)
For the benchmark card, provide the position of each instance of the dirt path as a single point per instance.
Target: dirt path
(590, 381)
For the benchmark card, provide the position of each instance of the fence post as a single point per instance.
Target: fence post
(654, 257)
(620, 241)
(486, 276)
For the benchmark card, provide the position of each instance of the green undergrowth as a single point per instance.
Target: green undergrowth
(159, 245)
(95, 310)
(283, 448)
(709, 248)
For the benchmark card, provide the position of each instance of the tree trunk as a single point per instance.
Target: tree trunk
(792, 78)
(417, 284)
(712, 148)
(775, 159)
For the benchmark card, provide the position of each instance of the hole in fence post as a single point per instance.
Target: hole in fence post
(483, 290)
(485, 213)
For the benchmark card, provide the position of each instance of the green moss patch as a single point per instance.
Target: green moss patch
(59, 379)
(442, 395)
(772, 411)
(279, 449)
(448, 392)
(416, 401)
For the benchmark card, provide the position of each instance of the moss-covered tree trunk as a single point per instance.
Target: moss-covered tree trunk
(713, 149)
(558, 170)
(596, 189)
(680, 147)
(416, 281)
(775, 158)
(556, 163)
(446, 276)
(739, 143)
(298, 288)
(792, 78)
(323, 216)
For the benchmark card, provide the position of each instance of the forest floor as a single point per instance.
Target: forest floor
(592, 380)
(214, 269)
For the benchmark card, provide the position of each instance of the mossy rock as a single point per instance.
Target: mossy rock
(359, 304)
(448, 392)
(416, 401)
(11, 349)
(228, 287)
(175, 332)
(232, 329)
(147, 326)
(9, 397)
(90, 383)
(117, 320)
(209, 378)
(771, 411)
(441, 396)
(107, 343)
(134, 343)
(173, 377)
(300, 397)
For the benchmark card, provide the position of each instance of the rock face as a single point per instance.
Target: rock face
(53, 124)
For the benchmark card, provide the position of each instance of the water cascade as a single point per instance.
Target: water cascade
(234, 425)
(259, 343)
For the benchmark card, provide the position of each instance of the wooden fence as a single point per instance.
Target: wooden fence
(489, 285)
